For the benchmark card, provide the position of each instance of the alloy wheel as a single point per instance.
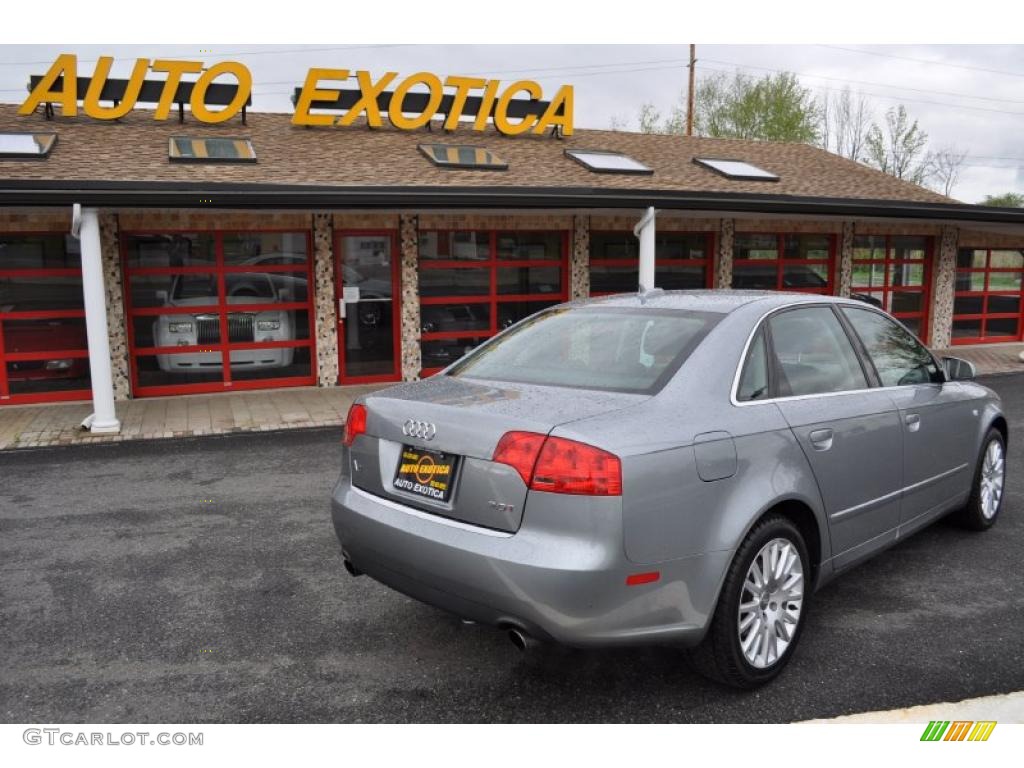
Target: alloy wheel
(993, 473)
(770, 602)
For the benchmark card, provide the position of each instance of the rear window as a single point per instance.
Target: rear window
(619, 349)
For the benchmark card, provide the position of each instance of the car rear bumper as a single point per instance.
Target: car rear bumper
(567, 588)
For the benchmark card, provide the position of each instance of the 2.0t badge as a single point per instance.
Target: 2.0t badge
(421, 429)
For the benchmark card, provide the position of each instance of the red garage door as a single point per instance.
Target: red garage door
(987, 307)
(210, 311)
(892, 272)
(44, 355)
(476, 283)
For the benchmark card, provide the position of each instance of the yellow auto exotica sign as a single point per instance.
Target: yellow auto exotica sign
(494, 99)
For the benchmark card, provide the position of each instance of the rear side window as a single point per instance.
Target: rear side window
(899, 358)
(607, 348)
(813, 353)
(754, 381)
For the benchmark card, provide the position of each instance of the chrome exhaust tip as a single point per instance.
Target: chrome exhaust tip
(522, 641)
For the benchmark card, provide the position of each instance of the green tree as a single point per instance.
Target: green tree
(1008, 200)
(898, 148)
(772, 108)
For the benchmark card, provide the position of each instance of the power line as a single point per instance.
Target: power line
(931, 62)
(882, 95)
(878, 85)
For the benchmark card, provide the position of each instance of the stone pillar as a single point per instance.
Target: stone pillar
(940, 321)
(579, 258)
(723, 262)
(113, 280)
(412, 359)
(324, 301)
(845, 260)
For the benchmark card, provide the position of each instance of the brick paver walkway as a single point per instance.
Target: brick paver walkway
(990, 358)
(29, 426)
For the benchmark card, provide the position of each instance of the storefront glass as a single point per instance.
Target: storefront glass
(682, 260)
(368, 339)
(211, 311)
(987, 304)
(476, 283)
(44, 353)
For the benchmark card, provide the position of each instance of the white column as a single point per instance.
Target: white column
(103, 418)
(645, 232)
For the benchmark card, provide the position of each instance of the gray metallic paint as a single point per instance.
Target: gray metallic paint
(699, 470)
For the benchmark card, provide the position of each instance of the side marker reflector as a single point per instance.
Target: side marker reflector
(642, 578)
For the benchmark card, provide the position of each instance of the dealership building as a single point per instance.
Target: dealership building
(256, 253)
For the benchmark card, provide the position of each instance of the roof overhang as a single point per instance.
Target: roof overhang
(152, 194)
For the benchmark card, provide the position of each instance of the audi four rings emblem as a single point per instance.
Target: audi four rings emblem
(421, 429)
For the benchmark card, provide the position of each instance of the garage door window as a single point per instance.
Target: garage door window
(682, 260)
(474, 283)
(44, 355)
(215, 311)
(892, 272)
(783, 262)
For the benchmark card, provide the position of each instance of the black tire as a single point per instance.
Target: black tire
(972, 516)
(720, 655)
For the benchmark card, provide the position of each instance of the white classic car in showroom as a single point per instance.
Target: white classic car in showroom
(244, 326)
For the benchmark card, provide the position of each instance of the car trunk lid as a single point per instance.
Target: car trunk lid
(446, 429)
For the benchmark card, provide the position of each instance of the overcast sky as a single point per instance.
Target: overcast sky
(971, 97)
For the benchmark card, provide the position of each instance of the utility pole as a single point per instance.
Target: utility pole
(690, 93)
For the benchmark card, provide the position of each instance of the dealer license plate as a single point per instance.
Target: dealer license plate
(426, 473)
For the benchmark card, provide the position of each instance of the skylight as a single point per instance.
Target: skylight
(736, 169)
(463, 156)
(26, 145)
(600, 161)
(219, 150)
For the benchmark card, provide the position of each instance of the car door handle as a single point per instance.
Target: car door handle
(821, 439)
(913, 422)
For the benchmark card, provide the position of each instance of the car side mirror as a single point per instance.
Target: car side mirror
(958, 369)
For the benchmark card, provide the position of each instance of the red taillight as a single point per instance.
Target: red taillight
(355, 423)
(519, 450)
(557, 465)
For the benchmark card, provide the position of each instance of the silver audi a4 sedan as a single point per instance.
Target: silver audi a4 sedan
(670, 467)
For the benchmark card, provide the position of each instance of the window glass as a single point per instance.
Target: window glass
(455, 246)
(39, 252)
(529, 245)
(448, 318)
(265, 249)
(869, 247)
(603, 348)
(754, 277)
(1007, 260)
(898, 357)
(755, 246)
(814, 354)
(754, 381)
(806, 246)
(170, 250)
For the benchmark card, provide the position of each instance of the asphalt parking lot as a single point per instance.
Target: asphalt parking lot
(199, 580)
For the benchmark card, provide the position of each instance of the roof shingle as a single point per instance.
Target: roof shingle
(135, 149)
